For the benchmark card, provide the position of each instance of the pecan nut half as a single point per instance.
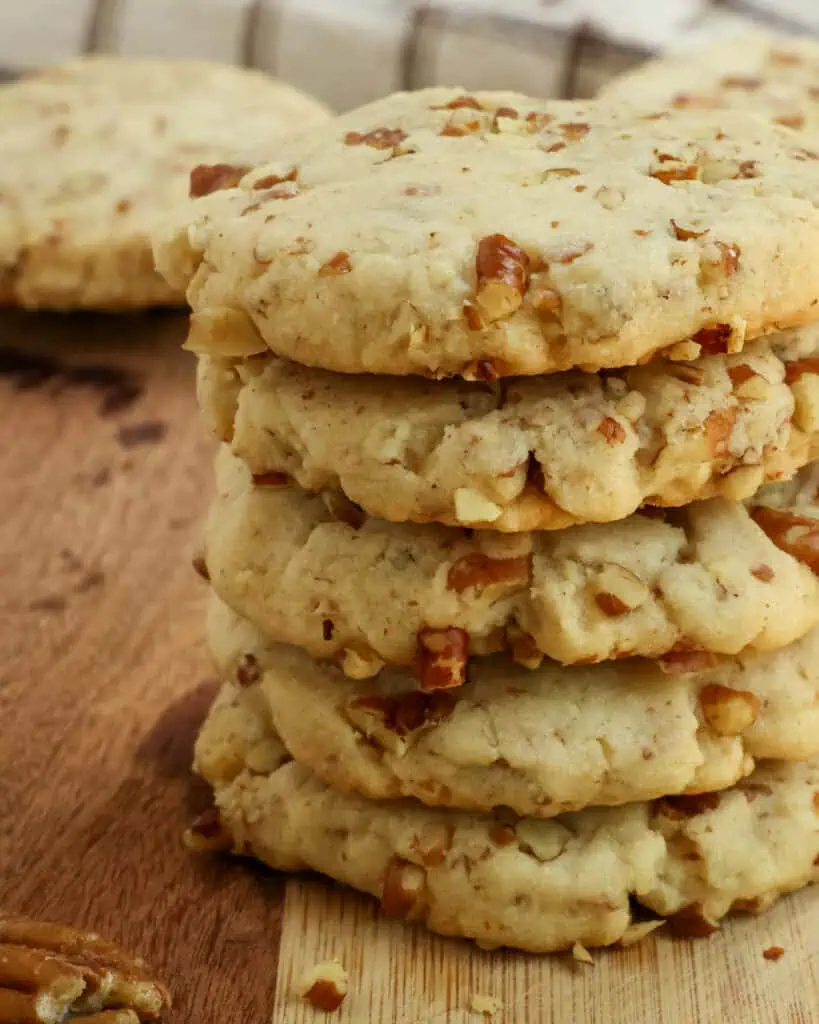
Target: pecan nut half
(795, 534)
(50, 973)
(442, 658)
(502, 272)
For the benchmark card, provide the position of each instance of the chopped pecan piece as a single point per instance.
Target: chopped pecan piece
(681, 172)
(740, 374)
(403, 893)
(477, 571)
(473, 318)
(618, 590)
(501, 834)
(443, 655)
(570, 253)
(337, 265)
(422, 190)
(683, 662)
(687, 373)
(684, 234)
(795, 534)
(728, 257)
(324, 986)
(719, 425)
(692, 923)
(785, 58)
(537, 120)
(288, 190)
(459, 103)
(378, 138)
(460, 129)
(247, 670)
(486, 369)
(574, 130)
(433, 844)
(713, 340)
(207, 178)
(508, 112)
(728, 712)
(472, 507)
(612, 430)
(405, 712)
(271, 479)
(560, 172)
(50, 973)
(361, 663)
(791, 120)
(546, 302)
(799, 367)
(502, 272)
(747, 169)
(269, 180)
(524, 648)
(611, 605)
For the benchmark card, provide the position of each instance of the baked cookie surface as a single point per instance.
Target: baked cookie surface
(315, 572)
(542, 742)
(505, 880)
(97, 151)
(438, 233)
(525, 453)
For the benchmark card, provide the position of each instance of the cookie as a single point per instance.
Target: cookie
(313, 571)
(97, 151)
(530, 453)
(437, 233)
(771, 76)
(509, 881)
(542, 742)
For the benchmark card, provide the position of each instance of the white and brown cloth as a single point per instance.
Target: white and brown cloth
(347, 52)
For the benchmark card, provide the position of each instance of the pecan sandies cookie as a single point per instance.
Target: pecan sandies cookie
(97, 151)
(487, 235)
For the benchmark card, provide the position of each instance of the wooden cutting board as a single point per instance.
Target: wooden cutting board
(104, 477)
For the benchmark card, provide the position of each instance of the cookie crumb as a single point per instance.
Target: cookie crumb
(487, 1005)
(324, 986)
(638, 930)
(773, 953)
(581, 955)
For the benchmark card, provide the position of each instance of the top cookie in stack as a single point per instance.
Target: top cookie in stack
(437, 233)
(497, 376)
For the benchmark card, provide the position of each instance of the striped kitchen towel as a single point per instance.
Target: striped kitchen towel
(347, 52)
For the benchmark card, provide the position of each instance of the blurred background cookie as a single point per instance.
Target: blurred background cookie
(97, 151)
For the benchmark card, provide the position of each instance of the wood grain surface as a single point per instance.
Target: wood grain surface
(104, 476)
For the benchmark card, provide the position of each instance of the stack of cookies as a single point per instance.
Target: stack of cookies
(512, 555)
